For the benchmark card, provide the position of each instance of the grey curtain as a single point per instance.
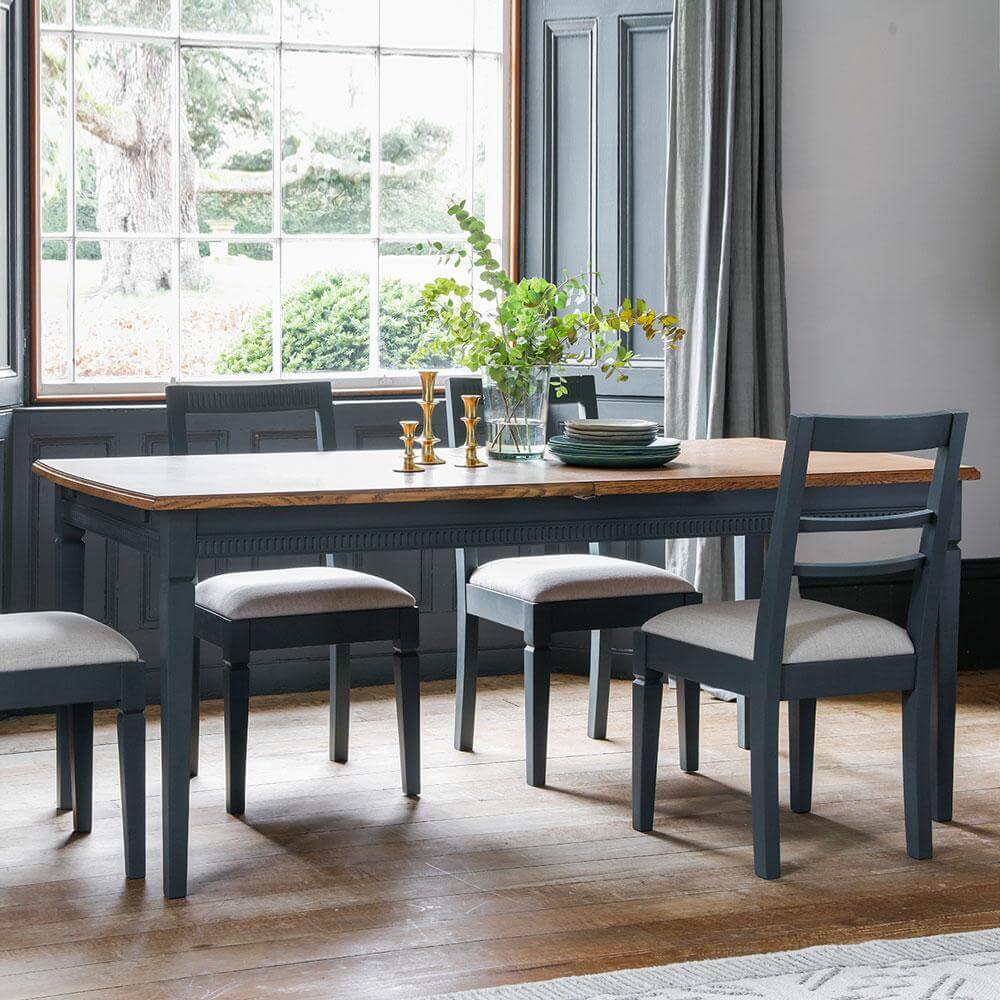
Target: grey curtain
(725, 270)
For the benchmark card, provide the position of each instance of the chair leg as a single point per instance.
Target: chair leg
(600, 684)
(537, 678)
(466, 674)
(81, 726)
(688, 722)
(801, 743)
(340, 701)
(64, 784)
(647, 700)
(236, 696)
(132, 775)
(406, 674)
(917, 773)
(195, 705)
(764, 786)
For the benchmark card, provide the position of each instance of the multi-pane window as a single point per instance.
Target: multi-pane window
(234, 188)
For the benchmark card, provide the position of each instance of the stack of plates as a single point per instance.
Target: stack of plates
(637, 432)
(613, 444)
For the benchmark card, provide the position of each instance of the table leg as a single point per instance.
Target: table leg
(177, 577)
(943, 756)
(748, 570)
(70, 551)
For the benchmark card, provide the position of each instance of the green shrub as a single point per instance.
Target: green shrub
(325, 328)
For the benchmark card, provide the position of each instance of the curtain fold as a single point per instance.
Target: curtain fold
(724, 252)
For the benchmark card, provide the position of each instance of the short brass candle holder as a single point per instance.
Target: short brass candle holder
(472, 459)
(409, 435)
(427, 404)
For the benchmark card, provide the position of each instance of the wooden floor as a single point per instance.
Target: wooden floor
(334, 885)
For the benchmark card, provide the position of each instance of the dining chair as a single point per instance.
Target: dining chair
(545, 594)
(66, 659)
(266, 609)
(781, 649)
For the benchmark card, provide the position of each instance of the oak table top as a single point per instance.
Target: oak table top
(293, 479)
(195, 482)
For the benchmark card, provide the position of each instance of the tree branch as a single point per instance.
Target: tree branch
(112, 125)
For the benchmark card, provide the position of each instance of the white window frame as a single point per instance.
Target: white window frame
(374, 379)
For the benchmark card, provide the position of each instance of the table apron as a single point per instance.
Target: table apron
(285, 531)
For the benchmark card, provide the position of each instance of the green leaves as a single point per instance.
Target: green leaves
(530, 322)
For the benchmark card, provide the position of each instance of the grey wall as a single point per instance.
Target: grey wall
(892, 217)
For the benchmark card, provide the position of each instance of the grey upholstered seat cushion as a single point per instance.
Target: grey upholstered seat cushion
(540, 579)
(813, 631)
(43, 639)
(311, 590)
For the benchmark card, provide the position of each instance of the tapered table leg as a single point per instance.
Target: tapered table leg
(946, 689)
(748, 569)
(70, 552)
(177, 578)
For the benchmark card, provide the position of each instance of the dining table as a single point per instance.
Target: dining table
(182, 508)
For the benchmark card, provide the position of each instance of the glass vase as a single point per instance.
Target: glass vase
(515, 408)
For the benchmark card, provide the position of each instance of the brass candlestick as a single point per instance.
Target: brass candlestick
(409, 433)
(427, 404)
(472, 460)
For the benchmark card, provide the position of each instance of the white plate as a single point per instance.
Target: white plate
(612, 425)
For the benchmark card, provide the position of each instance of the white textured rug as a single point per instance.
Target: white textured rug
(947, 967)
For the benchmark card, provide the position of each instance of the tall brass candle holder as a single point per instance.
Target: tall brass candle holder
(409, 434)
(472, 460)
(427, 404)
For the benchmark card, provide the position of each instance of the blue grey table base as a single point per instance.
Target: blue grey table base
(180, 537)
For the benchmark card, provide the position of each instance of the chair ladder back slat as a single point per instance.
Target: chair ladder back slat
(455, 388)
(578, 400)
(869, 522)
(270, 397)
(873, 567)
(919, 432)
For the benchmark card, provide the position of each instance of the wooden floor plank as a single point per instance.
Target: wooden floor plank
(335, 885)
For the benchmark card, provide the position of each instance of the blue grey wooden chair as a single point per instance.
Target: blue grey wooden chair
(778, 649)
(286, 608)
(545, 594)
(65, 659)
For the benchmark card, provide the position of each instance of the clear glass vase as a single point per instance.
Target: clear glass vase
(515, 408)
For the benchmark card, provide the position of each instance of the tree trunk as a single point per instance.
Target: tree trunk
(135, 182)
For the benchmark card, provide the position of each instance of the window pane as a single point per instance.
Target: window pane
(56, 335)
(424, 115)
(429, 24)
(153, 14)
(227, 152)
(403, 273)
(124, 110)
(325, 305)
(489, 25)
(126, 309)
(487, 163)
(55, 134)
(226, 323)
(53, 12)
(328, 106)
(222, 17)
(342, 22)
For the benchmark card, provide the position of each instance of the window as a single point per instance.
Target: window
(233, 188)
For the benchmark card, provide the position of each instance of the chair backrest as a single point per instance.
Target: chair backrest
(579, 400)
(942, 432)
(264, 397)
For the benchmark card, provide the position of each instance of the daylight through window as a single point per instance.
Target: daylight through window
(233, 188)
